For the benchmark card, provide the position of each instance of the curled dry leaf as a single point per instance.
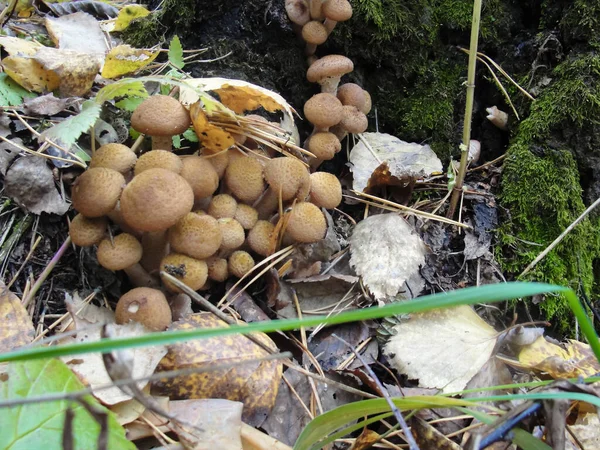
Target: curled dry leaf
(443, 349)
(30, 183)
(17, 329)
(214, 139)
(385, 251)
(254, 384)
(387, 160)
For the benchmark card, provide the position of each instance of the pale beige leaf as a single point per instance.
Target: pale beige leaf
(587, 431)
(17, 329)
(67, 31)
(385, 251)
(443, 348)
(386, 160)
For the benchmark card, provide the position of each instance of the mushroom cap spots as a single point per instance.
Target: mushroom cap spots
(222, 205)
(96, 191)
(288, 176)
(117, 157)
(190, 271)
(198, 236)
(124, 251)
(325, 190)
(244, 177)
(146, 306)
(233, 234)
(351, 94)
(86, 231)
(217, 269)
(330, 66)
(158, 159)
(306, 223)
(324, 145)
(314, 32)
(246, 215)
(338, 10)
(201, 176)
(160, 115)
(240, 263)
(219, 161)
(323, 110)
(260, 237)
(155, 200)
(354, 121)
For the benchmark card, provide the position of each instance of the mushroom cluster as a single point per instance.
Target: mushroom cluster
(200, 218)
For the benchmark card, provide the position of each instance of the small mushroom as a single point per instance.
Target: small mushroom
(124, 253)
(217, 269)
(158, 159)
(324, 145)
(190, 271)
(306, 223)
(288, 177)
(240, 263)
(353, 120)
(117, 157)
(323, 111)
(297, 11)
(161, 117)
(244, 178)
(260, 237)
(314, 33)
(335, 11)
(198, 236)
(246, 215)
(328, 70)
(352, 94)
(86, 232)
(325, 190)
(497, 117)
(233, 234)
(200, 175)
(146, 306)
(96, 191)
(222, 205)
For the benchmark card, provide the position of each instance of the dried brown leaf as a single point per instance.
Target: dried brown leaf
(17, 328)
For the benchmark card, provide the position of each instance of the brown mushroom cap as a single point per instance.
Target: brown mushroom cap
(314, 32)
(201, 176)
(124, 251)
(155, 200)
(117, 157)
(217, 269)
(306, 223)
(328, 70)
(246, 215)
(192, 272)
(297, 11)
(219, 161)
(240, 263)
(351, 94)
(146, 306)
(158, 159)
(222, 205)
(324, 145)
(260, 237)
(198, 236)
(337, 10)
(160, 115)
(368, 103)
(288, 176)
(96, 191)
(354, 121)
(233, 234)
(323, 110)
(86, 232)
(325, 190)
(244, 177)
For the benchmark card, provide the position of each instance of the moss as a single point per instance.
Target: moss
(541, 187)
(581, 22)
(457, 15)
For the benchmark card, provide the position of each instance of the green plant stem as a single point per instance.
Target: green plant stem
(464, 148)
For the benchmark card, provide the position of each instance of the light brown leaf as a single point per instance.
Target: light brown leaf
(67, 32)
(17, 329)
(255, 383)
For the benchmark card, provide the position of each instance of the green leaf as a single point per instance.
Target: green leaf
(26, 427)
(469, 296)
(190, 135)
(176, 141)
(176, 53)
(12, 94)
(129, 103)
(68, 131)
(127, 87)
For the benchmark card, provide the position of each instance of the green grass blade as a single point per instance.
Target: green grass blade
(483, 294)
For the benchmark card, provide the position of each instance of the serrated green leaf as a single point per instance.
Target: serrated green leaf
(127, 87)
(26, 427)
(11, 94)
(129, 103)
(68, 131)
(190, 135)
(176, 53)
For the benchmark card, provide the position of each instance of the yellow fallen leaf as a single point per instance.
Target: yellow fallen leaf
(127, 14)
(125, 59)
(574, 360)
(213, 138)
(17, 329)
(75, 70)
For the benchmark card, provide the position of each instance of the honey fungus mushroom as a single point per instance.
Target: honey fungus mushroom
(289, 177)
(328, 70)
(240, 263)
(161, 117)
(158, 159)
(325, 190)
(190, 271)
(86, 231)
(144, 305)
(124, 252)
(198, 236)
(117, 157)
(323, 111)
(96, 191)
(244, 178)
(306, 223)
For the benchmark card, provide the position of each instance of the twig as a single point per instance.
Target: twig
(412, 444)
(559, 238)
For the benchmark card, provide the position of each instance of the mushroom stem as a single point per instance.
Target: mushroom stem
(329, 25)
(315, 9)
(329, 85)
(162, 143)
(139, 277)
(310, 49)
(156, 247)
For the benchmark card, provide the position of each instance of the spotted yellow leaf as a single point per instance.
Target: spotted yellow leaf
(213, 138)
(128, 14)
(125, 59)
